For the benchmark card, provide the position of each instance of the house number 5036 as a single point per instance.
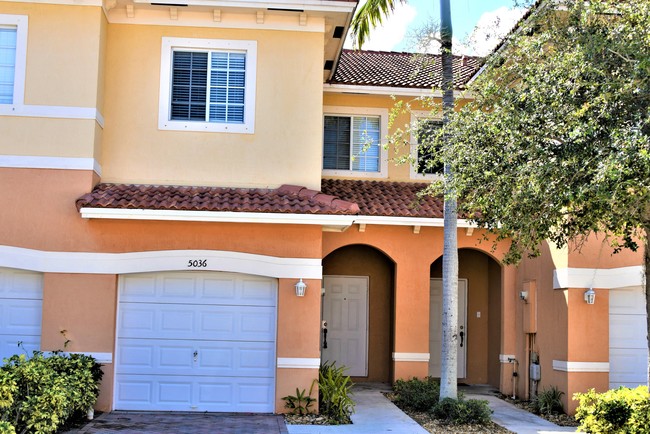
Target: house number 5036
(197, 263)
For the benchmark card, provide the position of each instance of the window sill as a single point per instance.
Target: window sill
(353, 174)
(206, 127)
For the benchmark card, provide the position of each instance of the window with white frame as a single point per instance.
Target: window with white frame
(422, 150)
(352, 142)
(13, 52)
(207, 85)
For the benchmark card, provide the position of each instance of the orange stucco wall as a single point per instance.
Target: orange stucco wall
(81, 308)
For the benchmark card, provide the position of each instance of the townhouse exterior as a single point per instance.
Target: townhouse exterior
(171, 174)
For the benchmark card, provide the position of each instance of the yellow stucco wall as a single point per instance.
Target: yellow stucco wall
(286, 145)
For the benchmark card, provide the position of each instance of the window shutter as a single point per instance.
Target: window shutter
(189, 81)
(7, 64)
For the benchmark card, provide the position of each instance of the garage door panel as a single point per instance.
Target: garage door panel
(627, 364)
(20, 284)
(9, 345)
(175, 357)
(194, 288)
(196, 394)
(21, 317)
(155, 321)
(624, 331)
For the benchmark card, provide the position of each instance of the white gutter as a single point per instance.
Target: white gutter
(389, 90)
(327, 220)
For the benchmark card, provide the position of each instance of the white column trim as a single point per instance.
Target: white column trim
(161, 260)
(36, 162)
(99, 357)
(299, 362)
(598, 277)
(506, 358)
(565, 366)
(411, 357)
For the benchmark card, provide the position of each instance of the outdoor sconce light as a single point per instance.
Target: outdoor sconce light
(523, 295)
(300, 288)
(590, 296)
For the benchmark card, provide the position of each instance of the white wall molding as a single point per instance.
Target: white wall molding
(99, 357)
(299, 362)
(48, 111)
(598, 278)
(35, 162)
(506, 358)
(411, 357)
(386, 90)
(563, 365)
(163, 260)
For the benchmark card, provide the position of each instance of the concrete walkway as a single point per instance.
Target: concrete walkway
(375, 414)
(511, 417)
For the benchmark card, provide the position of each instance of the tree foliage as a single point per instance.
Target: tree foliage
(555, 145)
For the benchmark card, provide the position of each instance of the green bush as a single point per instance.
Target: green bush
(548, 401)
(621, 410)
(41, 393)
(460, 411)
(6, 428)
(334, 388)
(416, 394)
(300, 402)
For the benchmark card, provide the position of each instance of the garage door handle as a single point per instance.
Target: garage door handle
(196, 355)
(324, 338)
(462, 336)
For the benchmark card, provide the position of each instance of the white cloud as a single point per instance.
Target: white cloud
(491, 28)
(391, 33)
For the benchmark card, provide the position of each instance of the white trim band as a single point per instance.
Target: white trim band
(34, 162)
(562, 365)
(163, 260)
(298, 362)
(57, 112)
(507, 358)
(387, 90)
(411, 357)
(598, 278)
(99, 357)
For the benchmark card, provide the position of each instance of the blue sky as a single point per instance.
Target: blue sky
(493, 17)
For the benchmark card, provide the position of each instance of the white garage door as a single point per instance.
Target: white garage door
(628, 346)
(21, 306)
(194, 341)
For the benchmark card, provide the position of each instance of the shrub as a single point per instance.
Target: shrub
(334, 388)
(621, 410)
(460, 411)
(548, 401)
(416, 394)
(300, 402)
(40, 394)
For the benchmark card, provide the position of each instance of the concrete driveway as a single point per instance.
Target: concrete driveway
(124, 422)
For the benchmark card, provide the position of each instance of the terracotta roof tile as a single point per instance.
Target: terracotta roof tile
(371, 198)
(286, 199)
(381, 198)
(395, 69)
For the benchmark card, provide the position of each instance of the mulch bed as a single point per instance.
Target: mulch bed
(306, 419)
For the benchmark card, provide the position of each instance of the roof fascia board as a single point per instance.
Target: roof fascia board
(308, 5)
(267, 218)
(63, 2)
(386, 90)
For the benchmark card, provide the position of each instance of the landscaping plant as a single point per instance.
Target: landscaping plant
(616, 411)
(334, 388)
(416, 394)
(460, 411)
(38, 395)
(548, 401)
(300, 402)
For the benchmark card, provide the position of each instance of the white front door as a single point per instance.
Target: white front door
(345, 309)
(435, 327)
(196, 341)
(628, 346)
(21, 305)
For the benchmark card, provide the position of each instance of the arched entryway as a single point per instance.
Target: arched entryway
(358, 282)
(481, 275)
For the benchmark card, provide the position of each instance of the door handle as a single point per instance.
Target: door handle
(462, 336)
(324, 338)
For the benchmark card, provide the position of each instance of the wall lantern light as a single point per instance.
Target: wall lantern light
(300, 288)
(590, 296)
(523, 295)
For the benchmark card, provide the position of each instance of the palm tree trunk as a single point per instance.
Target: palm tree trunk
(449, 358)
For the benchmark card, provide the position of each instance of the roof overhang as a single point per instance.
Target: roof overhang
(386, 90)
(329, 223)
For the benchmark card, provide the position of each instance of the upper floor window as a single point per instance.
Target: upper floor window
(13, 52)
(422, 152)
(352, 142)
(207, 85)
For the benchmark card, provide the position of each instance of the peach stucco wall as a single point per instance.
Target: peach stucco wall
(81, 308)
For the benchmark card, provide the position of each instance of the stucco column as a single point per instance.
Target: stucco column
(411, 345)
(81, 309)
(298, 346)
(508, 326)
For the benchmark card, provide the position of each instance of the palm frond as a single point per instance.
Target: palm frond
(369, 16)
